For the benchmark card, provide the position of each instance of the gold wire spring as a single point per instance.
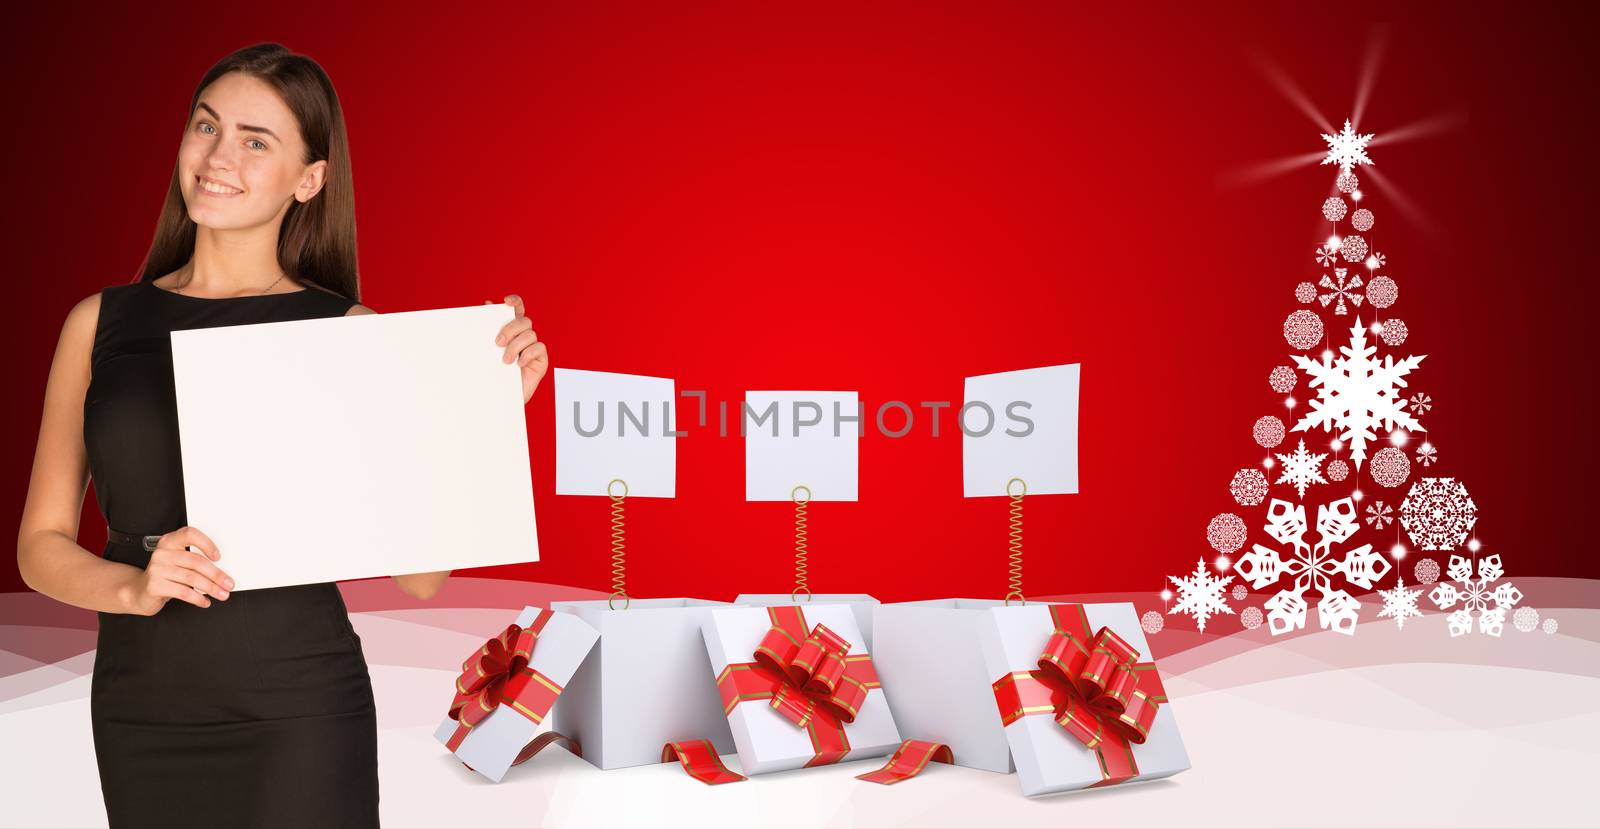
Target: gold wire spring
(801, 566)
(1015, 579)
(619, 561)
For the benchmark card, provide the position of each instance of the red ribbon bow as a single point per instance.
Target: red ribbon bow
(498, 673)
(810, 678)
(1096, 689)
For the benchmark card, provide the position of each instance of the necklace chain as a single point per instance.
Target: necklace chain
(179, 289)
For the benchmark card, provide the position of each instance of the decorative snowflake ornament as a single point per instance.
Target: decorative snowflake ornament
(1267, 431)
(1152, 622)
(1362, 220)
(1389, 467)
(1226, 533)
(1382, 292)
(1327, 255)
(1475, 597)
(1399, 604)
(1379, 515)
(1347, 148)
(1305, 293)
(1426, 571)
(1421, 403)
(1340, 288)
(1282, 379)
(1357, 394)
(1353, 248)
(1201, 595)
(1248, 487)
(1301, 469)
(1250, 617)
(1394, 332)
(1311, 568)
(1333, 209)
(1302, 329)
(1438, 513)
(1526, 619)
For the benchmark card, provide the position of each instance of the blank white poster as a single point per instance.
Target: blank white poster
(351, 447)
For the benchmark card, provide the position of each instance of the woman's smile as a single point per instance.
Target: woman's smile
(212, 187)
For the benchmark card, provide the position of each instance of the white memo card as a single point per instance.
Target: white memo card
(1044, 455)
(790, 440)
(348, 447)
(615, 426)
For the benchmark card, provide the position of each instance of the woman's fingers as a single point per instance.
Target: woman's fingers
(171, 571)
(515, 302)
(517, 344)
(203, 566)
(511, 328)
(182, 592)
(190, 537)
(534, 353)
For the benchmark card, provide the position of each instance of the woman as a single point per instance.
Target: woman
(209, 708)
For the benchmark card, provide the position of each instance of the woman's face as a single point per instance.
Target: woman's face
(242, 159)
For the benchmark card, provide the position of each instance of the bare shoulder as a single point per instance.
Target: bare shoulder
(358, 309)
(82, 320)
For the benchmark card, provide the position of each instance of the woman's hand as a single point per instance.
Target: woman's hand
(178, 573)
(523, 346)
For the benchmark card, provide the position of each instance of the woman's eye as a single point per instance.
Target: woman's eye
(207, 128)
(257, 145)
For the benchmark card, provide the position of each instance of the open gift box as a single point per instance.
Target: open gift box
(507, 687)
(1059, 692)
(797, 686)
(645, 684)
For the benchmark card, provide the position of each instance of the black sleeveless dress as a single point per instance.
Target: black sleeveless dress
(258, 710)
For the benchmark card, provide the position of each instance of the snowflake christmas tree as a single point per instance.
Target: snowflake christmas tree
(1357, 410)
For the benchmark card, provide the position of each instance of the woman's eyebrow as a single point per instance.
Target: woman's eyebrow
(246, 127)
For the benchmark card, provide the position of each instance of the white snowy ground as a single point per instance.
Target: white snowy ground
(1390, 728)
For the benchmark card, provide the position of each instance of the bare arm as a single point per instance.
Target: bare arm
(417, 585)
(48, 554)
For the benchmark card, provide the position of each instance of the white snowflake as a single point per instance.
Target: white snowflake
(1438, 513)
(1301, 469)
(1389, 467)
(1333, 208)
(1152, 622)
(1302, 329)
(1353, 248)
(1338, 470)
(1382, 292)
(1249, 487)
(1421, 403)
(1474, 596)
(1347, 182)
(1376, 260)
(1305, 293)
(1341, 288)
(1526, 619)
(1393, 332)
(1201, 595)
(1427, 455)
(1362, 220)
(1356, 394)
(1250, 617)
(1379, 515)
(1268, 431)
(1240, 593)
(1550, 626)
(1347, 148)
(1312, 568)
(1226, 533)
(1426, 571)
(1327, 255)
(1399, 603)
(1282, 379)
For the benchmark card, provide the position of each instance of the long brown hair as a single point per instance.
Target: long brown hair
(317, 240)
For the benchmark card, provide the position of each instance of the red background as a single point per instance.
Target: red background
(889, 199)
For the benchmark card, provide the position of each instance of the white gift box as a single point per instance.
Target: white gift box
(644, 685)
(928, 652)
(1048, 758)
(860, 603)
(767, 741)
(492, 745)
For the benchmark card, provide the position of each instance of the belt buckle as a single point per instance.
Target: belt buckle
(149, 542)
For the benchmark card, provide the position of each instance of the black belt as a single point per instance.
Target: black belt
(148, 542)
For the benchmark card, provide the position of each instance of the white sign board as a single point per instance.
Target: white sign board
(800, 438)
(1020, 424)
(615, 427)
(350, 447)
